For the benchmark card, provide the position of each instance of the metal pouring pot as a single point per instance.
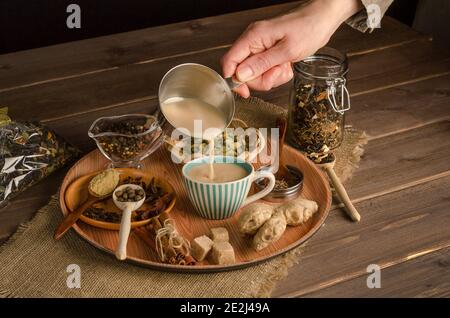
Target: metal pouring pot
(193, 80)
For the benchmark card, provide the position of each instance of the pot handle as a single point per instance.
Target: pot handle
(233, 82)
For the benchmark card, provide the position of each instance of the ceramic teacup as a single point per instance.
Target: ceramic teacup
(217, 201)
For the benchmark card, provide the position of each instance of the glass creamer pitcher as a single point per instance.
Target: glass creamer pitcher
(126, 140)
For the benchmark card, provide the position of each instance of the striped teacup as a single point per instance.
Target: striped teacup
(217, 201)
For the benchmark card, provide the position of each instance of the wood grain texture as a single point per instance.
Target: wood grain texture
(104, 54)
(394, 228)
(425, 276)
(75, 96)
(402, 158)
(389, 68)
(384, 172)
(190, 224)
(412, 105)
(139, 82)
(401, 108)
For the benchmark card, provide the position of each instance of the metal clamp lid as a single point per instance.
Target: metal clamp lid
(332, 87)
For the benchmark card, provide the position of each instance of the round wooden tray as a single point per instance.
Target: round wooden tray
(190, 225)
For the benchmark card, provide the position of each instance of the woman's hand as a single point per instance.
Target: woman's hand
(262, 56)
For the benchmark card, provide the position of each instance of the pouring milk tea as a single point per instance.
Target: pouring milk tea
(198, 102)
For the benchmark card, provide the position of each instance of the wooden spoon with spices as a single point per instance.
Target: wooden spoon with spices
(340, 190)
(73, 216)
(93, 197)
(127, 206)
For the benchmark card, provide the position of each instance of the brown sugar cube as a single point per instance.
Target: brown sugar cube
(222, 253)
(200, 247)
(219, 234)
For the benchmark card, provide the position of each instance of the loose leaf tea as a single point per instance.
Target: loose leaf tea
(314, 126)
(281, 185)
(28, 153)
(231, 142)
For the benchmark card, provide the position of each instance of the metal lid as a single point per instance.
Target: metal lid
(331, 66)
(277, 195)
(327, 63)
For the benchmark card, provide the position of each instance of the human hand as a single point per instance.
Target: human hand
(261, 57)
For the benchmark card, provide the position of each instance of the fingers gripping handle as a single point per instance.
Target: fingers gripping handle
(233, 82)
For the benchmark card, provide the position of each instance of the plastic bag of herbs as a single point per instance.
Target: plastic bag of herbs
(29, 152)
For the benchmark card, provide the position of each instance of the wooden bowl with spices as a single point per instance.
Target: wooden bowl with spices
(160, 197)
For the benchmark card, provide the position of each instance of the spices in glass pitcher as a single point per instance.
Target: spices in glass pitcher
(126, 139)
(127, 143)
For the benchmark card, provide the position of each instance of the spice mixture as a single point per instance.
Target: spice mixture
(129, 195)
(128, 139)
(155, 202)
(104, 183)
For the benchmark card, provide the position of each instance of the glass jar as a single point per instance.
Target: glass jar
(126, 140)
(318, 101)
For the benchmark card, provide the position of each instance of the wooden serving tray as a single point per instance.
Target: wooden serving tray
(191, 225)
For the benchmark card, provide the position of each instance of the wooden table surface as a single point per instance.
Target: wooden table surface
(400, 86)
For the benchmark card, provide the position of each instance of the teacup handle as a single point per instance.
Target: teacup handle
(263, 192)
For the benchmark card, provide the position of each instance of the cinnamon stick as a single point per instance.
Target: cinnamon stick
(146, 236)
(174, 257)
(190, 260)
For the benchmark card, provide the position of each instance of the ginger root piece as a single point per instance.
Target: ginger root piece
(298, 211)
(270, 232)
(253, 216)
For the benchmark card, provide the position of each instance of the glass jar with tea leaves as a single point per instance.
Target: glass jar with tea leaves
(318, 101)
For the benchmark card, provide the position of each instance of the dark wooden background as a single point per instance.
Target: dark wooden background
(26, 24)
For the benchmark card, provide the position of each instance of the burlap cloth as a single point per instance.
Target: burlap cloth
(32, 264)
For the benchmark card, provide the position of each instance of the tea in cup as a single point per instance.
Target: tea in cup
(219, 186)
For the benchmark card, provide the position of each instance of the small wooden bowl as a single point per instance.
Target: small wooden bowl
(77, 192)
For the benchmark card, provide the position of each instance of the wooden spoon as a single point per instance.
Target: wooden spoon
(125, 224)
(340, 190)
(73, 216)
